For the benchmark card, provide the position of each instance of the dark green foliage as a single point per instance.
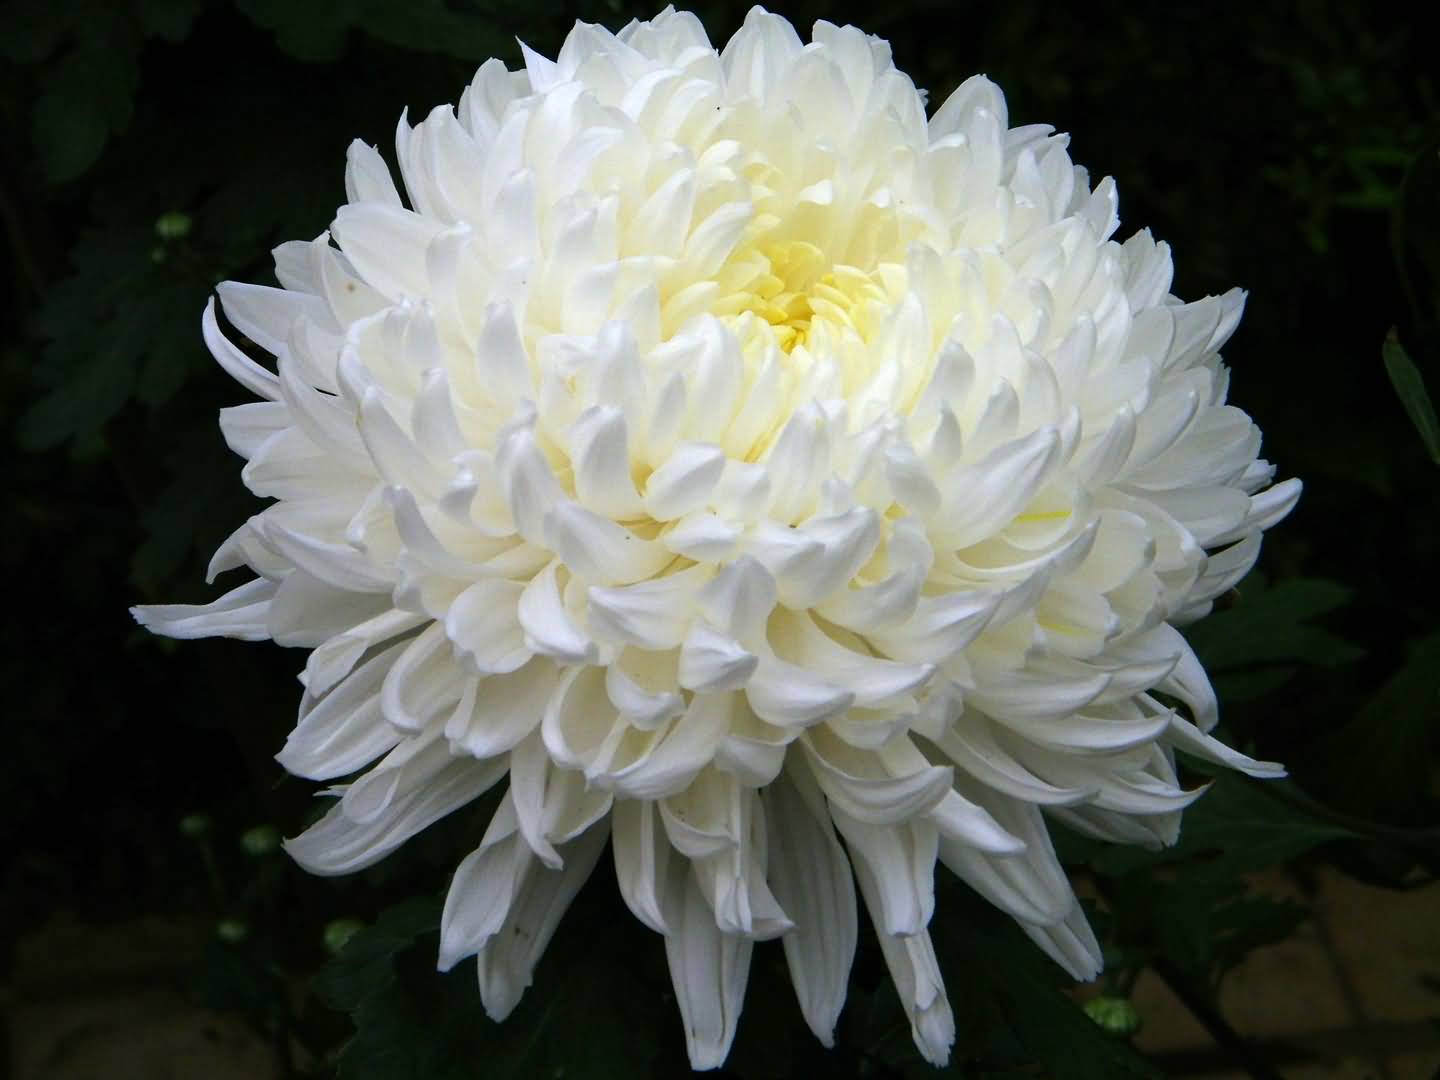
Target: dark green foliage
(1256, 646)
(119, 328)
(1009, 1005)
(586, 1017)
(1290, 148)
(1190, 905)
(1410, 388)
(429, 26)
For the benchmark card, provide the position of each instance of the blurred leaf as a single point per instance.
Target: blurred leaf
(1201, 914)
(87, 98)
(432, 26)
(31, 31)
(1410, 388)
(1381, 758)
(366, 965)
(193, 512)
(1235, 827)
(1251, 828)
(117, 325)
(412, 1023)
(168, 19)
(1415, 235)
(1249, 923)
(235, 976)
(91, 52)
(1009, 1009)
(1271, 624)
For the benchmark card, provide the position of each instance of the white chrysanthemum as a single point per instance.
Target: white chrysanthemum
(752, 473)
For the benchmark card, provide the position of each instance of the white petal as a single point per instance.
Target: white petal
(333, 660)
(506, 965)
(549, 629)
(683, 484)
(367, 177)
(900, 862)
(527, 481)
(241, 613)
(262, 314)
(337, 844)
(870, 679)
(422, 683)
(981, 499)
(387, 245)
(1070, 943)
(345, 729)
(940, 627)
(685, 749)
(709, 971)
(711, 661)
(600, 551)
(959, 819)
(237, 365)
(971, 744)
(739, 600)
(483, 624)
(811, 876)
(651, 614)
(496, 712)
(307, 612)
(915, 972)
(339, 565)
(790, 696)
(642, 860)
(1184, 735)
(484, 888)
(552, 804)
(875, 788)
(599, 453)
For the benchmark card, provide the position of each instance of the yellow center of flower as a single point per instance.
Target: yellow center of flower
(793, 286)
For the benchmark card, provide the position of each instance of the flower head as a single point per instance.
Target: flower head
(742, 468)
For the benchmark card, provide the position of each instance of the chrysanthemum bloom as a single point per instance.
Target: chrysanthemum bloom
(749, 471)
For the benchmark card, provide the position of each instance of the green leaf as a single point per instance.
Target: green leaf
(1201, 913)
(70, 130)
(168, 19)
(1008, 1006)
(1409, 386)
(427, 26)
(31, 31)
(1393, 736)
(1249, 923)
(194, 511)
(117, 326)
(431, 1028)
(412, 1023)
(1272, 624)
(88, 97)
(1244, 827)
(366, 965)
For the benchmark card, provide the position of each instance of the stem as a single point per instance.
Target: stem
(1225, 1036)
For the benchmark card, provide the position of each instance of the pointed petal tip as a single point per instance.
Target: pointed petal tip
(934, 1034)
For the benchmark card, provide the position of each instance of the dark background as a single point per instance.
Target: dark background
(1290, 148)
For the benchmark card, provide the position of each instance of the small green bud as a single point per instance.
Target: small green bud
(1115, 1014)
(338, 932)
(173, 225)
(157, 255)
(194, 826)
(261, 840)
(231, 931)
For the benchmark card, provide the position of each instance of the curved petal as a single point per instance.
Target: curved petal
(506, 965)
(708, 969)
